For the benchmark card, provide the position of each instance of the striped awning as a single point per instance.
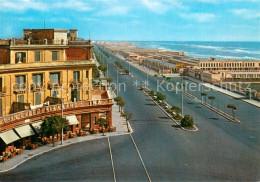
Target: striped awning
(37, 126)
(9, 137)
(24, 131)
(72, 119)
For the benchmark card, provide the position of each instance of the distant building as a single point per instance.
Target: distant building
(225, 70)
(39, 70)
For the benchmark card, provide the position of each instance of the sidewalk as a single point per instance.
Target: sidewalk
(227, 92)
(118, 122)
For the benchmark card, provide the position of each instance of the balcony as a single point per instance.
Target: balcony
(75, 84)
(49, 42)
(53, 86)
(35, 87)
(46, 111)
(20, 106)
(19, 88)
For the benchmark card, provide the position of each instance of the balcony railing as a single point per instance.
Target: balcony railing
(52, 109)
(37, 87)
(49, 42)
(54, 86)
(75, 83)
(20, 88)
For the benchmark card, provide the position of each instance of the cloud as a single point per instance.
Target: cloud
(160, 7)
(25, 5)
(72, 4)
(246, 13)
(22, 5)
(114, 10)
(200, 17)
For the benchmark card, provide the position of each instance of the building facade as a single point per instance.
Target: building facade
(226, 70)
(39, 72)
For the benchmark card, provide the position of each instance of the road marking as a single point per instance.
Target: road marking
(111, 157)
(141, 158)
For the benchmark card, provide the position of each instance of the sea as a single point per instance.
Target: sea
(249, 51)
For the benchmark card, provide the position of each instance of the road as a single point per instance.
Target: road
(219, 151)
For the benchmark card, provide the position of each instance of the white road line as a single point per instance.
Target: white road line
(111, 156)
(140, 158)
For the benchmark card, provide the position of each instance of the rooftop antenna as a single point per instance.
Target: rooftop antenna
(89, 35)
(44, 24)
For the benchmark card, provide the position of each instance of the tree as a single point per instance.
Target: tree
(160, 96)
(118, 98)
(203, 94)
(168, 78)
(53, 125)
(187, 121)
(128, 117)
(121, 104)
(176, 109)
(109, 80)
(212, 99)
(95, 72)
(233, 107)
(152, 93)
(103, 123)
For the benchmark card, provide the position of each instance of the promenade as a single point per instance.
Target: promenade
(118, 121)
(225, 91)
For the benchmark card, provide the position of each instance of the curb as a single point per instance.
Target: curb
(221, 113)
(222, 92)
(61, 146)
(196, 129)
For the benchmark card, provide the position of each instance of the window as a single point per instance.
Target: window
(76, 76)
(1, 113)
(20, 57)
(75, 95)
(55, 78)
(20, 81)
(21, 98)
(54, 55)
(37, 79)
(95, 120)
(37, 57)
(55, 93)
(1, 85)
(86, 74)
(38, 98)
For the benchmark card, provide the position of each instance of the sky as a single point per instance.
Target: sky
(137, 20)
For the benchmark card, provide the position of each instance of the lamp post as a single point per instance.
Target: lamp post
(182, 112)
(62, 113)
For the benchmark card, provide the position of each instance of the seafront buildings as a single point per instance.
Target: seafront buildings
(166, 62)
(39, 72)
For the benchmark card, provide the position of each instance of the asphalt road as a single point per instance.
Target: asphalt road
(219, 151)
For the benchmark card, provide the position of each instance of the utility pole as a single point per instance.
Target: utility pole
(61, 113)
(117, 82)
(182, 97)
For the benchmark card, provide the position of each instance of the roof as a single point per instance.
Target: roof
(9, 137)
(72, 119)
(37, 126)
(24, 131)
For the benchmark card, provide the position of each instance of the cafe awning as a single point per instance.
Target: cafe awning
(9, 137)
(37, 126)
(24, 131)
(72, 119)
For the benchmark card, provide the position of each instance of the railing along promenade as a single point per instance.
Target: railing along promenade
(216, 110)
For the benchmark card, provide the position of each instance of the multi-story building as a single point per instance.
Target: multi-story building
(37, 73)
(225, 70)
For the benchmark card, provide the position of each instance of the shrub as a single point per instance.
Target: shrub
(177, 116)
(187, 121)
